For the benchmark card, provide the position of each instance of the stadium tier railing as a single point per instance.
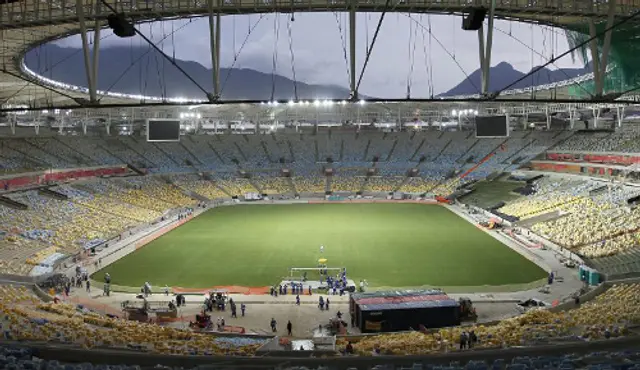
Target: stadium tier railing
(275, 360)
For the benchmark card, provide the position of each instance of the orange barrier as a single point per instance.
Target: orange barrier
(231, 289)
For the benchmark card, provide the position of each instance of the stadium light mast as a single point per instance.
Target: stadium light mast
(352, 51)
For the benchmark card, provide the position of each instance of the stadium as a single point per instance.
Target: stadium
(321, 227)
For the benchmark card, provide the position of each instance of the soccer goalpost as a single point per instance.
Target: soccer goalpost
(300, 271)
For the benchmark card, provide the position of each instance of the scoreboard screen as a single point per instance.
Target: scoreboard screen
(492, 126)
(159, 130)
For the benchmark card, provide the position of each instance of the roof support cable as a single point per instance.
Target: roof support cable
(373, 41)
(569, 51)
(432, 92)
(145, 38)
(274, 65)
(413, 35)
(293, 59)
(533, 51)
(446, 51)
(235, 57)
(157, 63)
(344, 45)
(134, 62)
(37, 83)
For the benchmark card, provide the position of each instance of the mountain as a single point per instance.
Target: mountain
(142, 70)
(504, 74)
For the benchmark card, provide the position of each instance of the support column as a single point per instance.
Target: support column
(352, 51)
(572, 118)
(595, 56)
(548, 117)
(218, 27)
(12, 124)
(96, 46)
(525, 121)
(606, 46)
(85, 50)
(485, 49)
(213, 45)
(481, 55)
(620, 114)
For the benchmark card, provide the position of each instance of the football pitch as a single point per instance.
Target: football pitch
(390, 245)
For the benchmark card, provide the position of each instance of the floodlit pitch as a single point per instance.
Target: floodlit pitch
(392, 245)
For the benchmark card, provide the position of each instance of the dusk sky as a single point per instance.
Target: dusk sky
(404, 39)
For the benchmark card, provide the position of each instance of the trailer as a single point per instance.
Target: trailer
(391, 311)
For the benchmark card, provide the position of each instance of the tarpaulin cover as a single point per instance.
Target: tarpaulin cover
(396, 293)
(409, 305)
(401, 299)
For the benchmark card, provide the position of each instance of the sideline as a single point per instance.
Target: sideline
(129, 244)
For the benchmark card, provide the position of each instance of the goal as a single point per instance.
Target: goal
(312, 273)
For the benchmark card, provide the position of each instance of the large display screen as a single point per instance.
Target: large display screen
(492, 126)
(163, 130)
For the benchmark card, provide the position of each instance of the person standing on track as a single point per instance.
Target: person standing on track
(289, 328)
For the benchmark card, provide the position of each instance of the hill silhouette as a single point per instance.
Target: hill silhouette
(503, 74)
(142, 70)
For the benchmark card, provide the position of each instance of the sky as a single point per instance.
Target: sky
(428, 53)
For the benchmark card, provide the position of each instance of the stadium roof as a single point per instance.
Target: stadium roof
(27, 23)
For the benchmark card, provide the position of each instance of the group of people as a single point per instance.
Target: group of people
(323, 304)
(232, 304)
(186, 214)
(337, 284)
(468, 339)
(274, 326)
(296, 288)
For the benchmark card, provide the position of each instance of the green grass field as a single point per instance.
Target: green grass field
(398, 245)
(488, 193)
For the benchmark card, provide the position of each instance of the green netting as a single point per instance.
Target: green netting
(624, 57)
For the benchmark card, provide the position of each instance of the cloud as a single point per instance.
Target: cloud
(428, 53)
